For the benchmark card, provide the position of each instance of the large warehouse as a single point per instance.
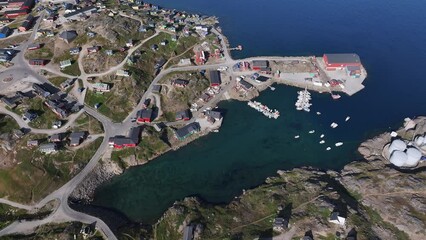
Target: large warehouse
(341, 60)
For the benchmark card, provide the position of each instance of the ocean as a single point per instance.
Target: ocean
(388, 35)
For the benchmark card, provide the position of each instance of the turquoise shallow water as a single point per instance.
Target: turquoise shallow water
(388, 35)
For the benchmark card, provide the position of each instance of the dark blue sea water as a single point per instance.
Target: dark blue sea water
(389, 36)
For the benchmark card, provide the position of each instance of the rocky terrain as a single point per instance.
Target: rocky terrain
(378, 201)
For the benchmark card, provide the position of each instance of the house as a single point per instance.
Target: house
(101, 87)
(32, 143)
(341, 60)
(132, 140)
(200, 58)
(188, 232)
(38, 62)
(109, 52)
(160, 63)
(15, 3)
(65, 63)
(159, 126)
(144, 115)
(15, 13)
(34, 46)
(122, 73)
(57, 124)
(188, 130)
(29, 116)
(164, 42)
(91, 34)
(245, 85)
(4, 32)
(353, 71)
(11, 102)
(205, 97)
(41, 90)
(67, 83)
(174, 38)
(214, 114)
(260, 65)
(93, 49)
(58, 137)
(27, 23)
(280, 224)
(74, 51)
(68, 36)
(215, 79)
(76, 138)
(337, 219)
(129, 43)
(156, 88)
(27, 5)
(261, 79)
(183, 115)
(154, 47)
(48, 148)
(142, 28)
(58, 107)
(180, 82)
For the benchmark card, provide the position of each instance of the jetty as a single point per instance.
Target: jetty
(264, 109)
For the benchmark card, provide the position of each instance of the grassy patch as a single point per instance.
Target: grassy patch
(57, 80)
(87, 122)
(7, 124)
(37, 174)
(108, 101)
(45, 117)
(72, 70)
(43, 53)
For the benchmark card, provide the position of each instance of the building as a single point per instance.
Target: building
(29, 116)
(75, 51)
(183, 115)
(67, 83)
(68, 36)
(5, 32)
(341, 61)
(65, 63)
(119, 142)
(27, 5)
(180, 82)
(34, 46)
(245, 85)
(27, 23)
(129, 43)
(200, 58)
(56, 138)
(76, 138)
(187, 131)
(188, 232)
(353, 71)
(15, 13)
(156, 89)
(337, 219)
(81, 13)
(260, 65)
(101, 87)
(41, 90)
(122, 73)
(280, 224)
(144, 115)
(215, 79)
(214, 114)
(48, 148)
(32, 143)
(261, 78)
(38, 62)
(15, 3)
(93, 49)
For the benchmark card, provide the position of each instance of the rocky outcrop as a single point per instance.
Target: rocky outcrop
(104, 171)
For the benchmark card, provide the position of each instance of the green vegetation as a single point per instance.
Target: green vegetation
(87, 122)
(57, 80)
(10, 214)
(68, 230)
(38, 174)
(113, 106)
(7, 124)
(150, 146)
(72, 70)
(45, 117)
(43, 53)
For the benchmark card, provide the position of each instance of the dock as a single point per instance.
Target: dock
(264, 109)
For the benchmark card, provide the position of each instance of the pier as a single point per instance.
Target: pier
(264, 109)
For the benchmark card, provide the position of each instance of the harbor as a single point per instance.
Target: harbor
(264, 109)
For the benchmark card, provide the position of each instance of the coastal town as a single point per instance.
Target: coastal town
(148, 83)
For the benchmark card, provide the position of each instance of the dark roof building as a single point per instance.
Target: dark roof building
(188, 130)
(215, 79)
(262, 79)
(76, 138)
(246, 85)
(260, 64)
(214, 114)
(4, 32)
(40, 90)
(131, 141)
(156, 89)
(144, 115)
(58, 137)
(183, 115)
(68, 36)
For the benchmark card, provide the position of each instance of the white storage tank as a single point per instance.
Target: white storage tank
(413, 157)
(397, 144)
(398, 158)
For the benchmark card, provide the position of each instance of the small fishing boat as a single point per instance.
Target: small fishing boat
(322, 135)
(328, 148)
(338, 144)
(297, 136)
(312, 131)
(334, 125)
(318, 113)
(394, 134)
(347, 118)
(322, 142)
(335, 96)
(216, 130)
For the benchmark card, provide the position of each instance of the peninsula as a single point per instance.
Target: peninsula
(82, 102)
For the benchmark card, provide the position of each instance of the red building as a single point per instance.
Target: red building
(15, 3)
(15, 13)
(200, 58)
(144, 115)
(28, 5)
(132, 140)
(341, 60)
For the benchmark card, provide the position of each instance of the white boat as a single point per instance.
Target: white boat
(322, 135)
(216, 130)
(264, 109)
(328, 148)
(303, 99)
(394, 134)
(347, 118)
(338, 144)
(318, 113)
(312, 131)
(322, 142)
(334, 125)
(297, 136)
